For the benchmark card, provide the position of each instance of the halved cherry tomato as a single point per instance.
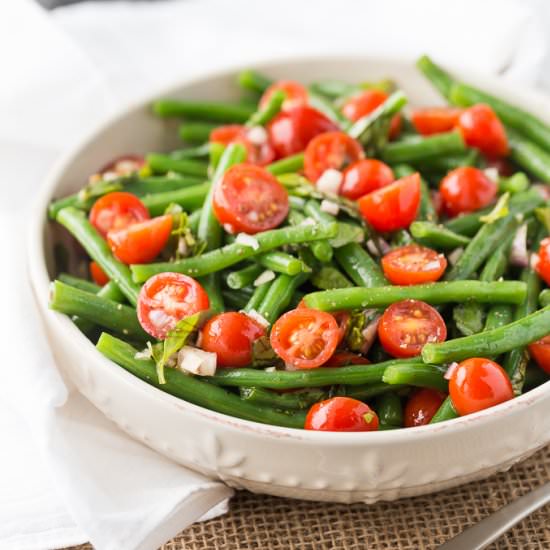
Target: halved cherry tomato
(342, 318)
(230, 336)
(341, 414)
(250, 199)
(482, 129)
(344, 358)
(290, 131)
(117, 210)
(334, 150)
(478, 383)
(394, 206)
(142, 242)
(98, 275)
(256, 153)
(435, 120)
(466, 189)
(421, 407)
(364, 176)
(305, 338)
(542, 261)
(540, 352)
(364, 103)
(167, 298)
(124, 165)
(296, 94)
(413, 264)
(406, 326)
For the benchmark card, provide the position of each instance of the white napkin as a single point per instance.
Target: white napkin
(61, 74)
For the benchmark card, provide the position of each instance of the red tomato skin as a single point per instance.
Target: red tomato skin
(421, 407)
(290, 131)
(540, 352)
(542, 266)
(250, 199)
(364, 176)
(481, 128)
(296, 94)
(174, 296)
(435, 120)
(392, 207)
(363, 104)
(140, 243)
(413, 265)
(305, 338)
(478, 383)
(344, 358)
(117, 210)
(230, 336)
(330, 150)
(258, 154)
(341, 414)
(411, 311)
(98, 275)
(466, 189)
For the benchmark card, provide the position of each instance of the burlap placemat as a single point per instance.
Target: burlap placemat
(421, 523)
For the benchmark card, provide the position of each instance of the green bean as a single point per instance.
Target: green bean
(189, 198)
(329, 277)
(426, 210)
(320, 249)
(296, 204)
(498, 316)
(401, 238)
(192, 152)
(196, 132)
(244, 277)
(366, 391)
(192, 389)
(279, 296)
(442, 81)
(544, 298)
(231, 254)
(437, 236)
(424, 376)
(359, 266)
(516, 183)
(163, 163)
(159, 184)
(78, 225)
(530, 156)
(100, 311)
(286, 401)
(518, 334)
(194, 219)
(110, 291)
(434, 293)
(326, 107)
(281, 262)
(235, 299)
(445, 412)
(389, 409)
(77, 282)
(264, 114)
(312, 378)
(257, 298)
(334, 89)
(444, 164)
(216, 152)
(253, 81)
(203, 110)
(526, 123)
(496, 265)
(294, 163)
(422, 148)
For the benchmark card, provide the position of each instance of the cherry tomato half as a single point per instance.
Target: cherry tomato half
(167, 298)
(364, 103)
(250, 199)
(435, 120)
(394, 206)
(344, 358)
(413, 264)
(406, 326)
(466, 189)
(334, 150)
(142, 242)
(540, 352)
(421, 407)
(542, 264)
(296, 94)
(290, 131)
(305, 338)
(482, 129)
(124, 165)
(256, 153)
(341, 414)
(230, 336)
(117, 210)
(98, 275)
(364, 176)
(478, 383)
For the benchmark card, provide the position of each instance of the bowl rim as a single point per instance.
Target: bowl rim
(40, 281)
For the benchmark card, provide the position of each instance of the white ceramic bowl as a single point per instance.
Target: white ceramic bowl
(344, 467)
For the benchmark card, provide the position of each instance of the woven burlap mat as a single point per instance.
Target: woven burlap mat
(421, 523)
